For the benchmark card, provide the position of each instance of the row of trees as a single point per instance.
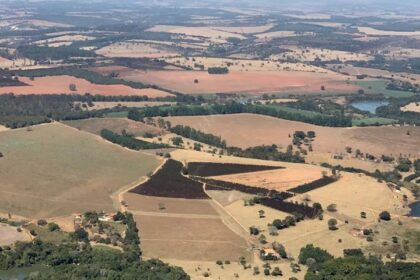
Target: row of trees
(129, 141)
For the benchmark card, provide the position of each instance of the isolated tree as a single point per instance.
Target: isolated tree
(384, 215)
(332, 208)
(73, 87)
(332, 224)
(261, 213)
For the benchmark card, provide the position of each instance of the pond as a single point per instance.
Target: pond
(415, 209)
(369, 105)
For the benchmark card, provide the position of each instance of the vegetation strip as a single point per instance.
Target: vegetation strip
(207, 169)
(322, 182)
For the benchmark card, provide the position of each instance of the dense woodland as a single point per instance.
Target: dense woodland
(128, 141)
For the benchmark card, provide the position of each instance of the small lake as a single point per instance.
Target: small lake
(415, 209)
(369, 105)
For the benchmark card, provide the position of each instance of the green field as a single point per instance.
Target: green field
(379, 86)
(55, 170)
(373, 121)
(296, 111)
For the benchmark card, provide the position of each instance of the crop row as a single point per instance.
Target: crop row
(169, 182)
(208, 169)
(313, 185)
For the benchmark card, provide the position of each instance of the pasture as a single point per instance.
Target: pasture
(136, 50)
(248, 130)
(116, 125)
(54, 170)
(61, 85)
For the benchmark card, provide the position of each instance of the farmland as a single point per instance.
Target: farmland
(116, 125)
(65, 171)
(376, 140)
(259, 82)
(234, 139)
(61, 85)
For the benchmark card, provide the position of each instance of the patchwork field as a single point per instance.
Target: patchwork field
(61, 85)
(116, 125)
(236, 130)
(244, 82)
(54, 170)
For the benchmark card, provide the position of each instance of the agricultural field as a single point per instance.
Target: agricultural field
(251, 82)
(269, 130)
(54, 170)
(9, 235)
(135, 50)
(133, 104)
(62, 85)
(116, 125)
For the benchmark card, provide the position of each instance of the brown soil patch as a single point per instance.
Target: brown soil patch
(246, 130)
(243, 82)
(60, 85)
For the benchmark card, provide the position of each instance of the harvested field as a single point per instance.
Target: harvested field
(279, 180)
(205, 169)
(133, 104)
(276, 34)
(168, 182)
(61, 85)
(225, 197)
(412, 107)
(266, 130)
(116, 125)
(206, 239)
(9, 235)
(255, 82)
(54, 170)
(135, 50)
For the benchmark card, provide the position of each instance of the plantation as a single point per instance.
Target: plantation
(208, 169)
(169, 182)
(313, 185)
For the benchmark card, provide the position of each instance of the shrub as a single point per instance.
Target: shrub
(53, 227)
(318, 254)
(332, 224)
(384, 215)
(42, 222)
(332, 208)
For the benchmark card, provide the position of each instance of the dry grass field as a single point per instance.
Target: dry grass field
(275, 34)
(54, 170)
(252, 82)
(135, 50)
(280, 179)
(244, 64)
(412, 107)
(377, 32)
(214, 34)
(60, 85)
(133, 104)
(246, 130)
(310, 54)
(63, 40)
(114, 124)
(371, 72)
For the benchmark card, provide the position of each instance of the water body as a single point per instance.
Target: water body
(369, 105)
(415, 209)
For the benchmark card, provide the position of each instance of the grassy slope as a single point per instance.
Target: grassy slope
(56, 170)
